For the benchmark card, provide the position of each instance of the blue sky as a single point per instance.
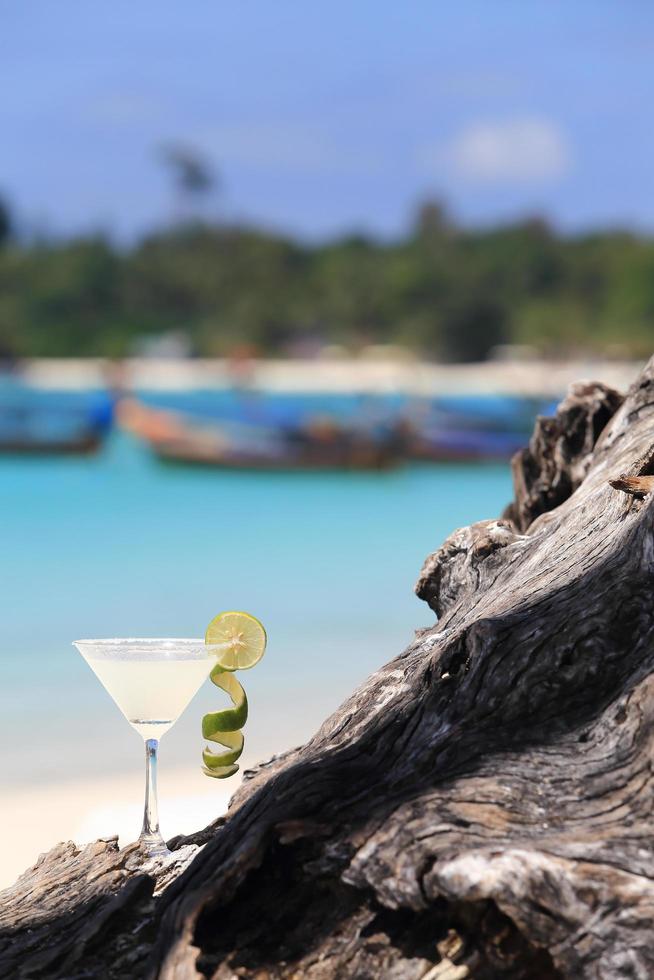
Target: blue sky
(329, 117)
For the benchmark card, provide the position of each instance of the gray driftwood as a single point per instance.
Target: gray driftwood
(481, 807)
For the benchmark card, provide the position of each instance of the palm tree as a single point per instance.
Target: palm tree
(193, 179)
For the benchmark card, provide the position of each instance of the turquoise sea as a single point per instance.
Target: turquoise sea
(121, 545)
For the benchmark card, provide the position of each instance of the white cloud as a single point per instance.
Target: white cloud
(522, 149)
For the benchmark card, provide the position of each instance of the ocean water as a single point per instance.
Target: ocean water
(121, 545)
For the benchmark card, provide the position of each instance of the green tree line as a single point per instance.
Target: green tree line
(446, 292)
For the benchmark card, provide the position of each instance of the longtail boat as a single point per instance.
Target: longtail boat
(319, 444)
(34, 423)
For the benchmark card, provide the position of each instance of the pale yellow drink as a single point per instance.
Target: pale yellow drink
(151, 693)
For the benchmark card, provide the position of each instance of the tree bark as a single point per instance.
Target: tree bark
(481, 807)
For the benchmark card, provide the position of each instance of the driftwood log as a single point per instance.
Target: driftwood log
(481, 807)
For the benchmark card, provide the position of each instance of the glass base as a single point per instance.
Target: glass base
(153, 845)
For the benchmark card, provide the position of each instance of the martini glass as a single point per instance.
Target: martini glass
(151, 681)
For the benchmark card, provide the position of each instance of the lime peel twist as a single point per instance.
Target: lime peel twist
(241, 640)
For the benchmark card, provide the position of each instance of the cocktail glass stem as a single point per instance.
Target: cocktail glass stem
(150, 839)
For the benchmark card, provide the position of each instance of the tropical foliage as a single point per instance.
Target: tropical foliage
(447, 292)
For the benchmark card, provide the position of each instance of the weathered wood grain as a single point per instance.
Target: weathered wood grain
(481, 807)
(61, 912)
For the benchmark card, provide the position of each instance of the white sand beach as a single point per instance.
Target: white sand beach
(370, 374)
(35, 818)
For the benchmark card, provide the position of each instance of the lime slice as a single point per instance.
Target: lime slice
(242, 638)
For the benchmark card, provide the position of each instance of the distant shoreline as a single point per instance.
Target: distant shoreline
(529, 378)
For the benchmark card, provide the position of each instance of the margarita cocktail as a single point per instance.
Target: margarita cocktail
(153, 680)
